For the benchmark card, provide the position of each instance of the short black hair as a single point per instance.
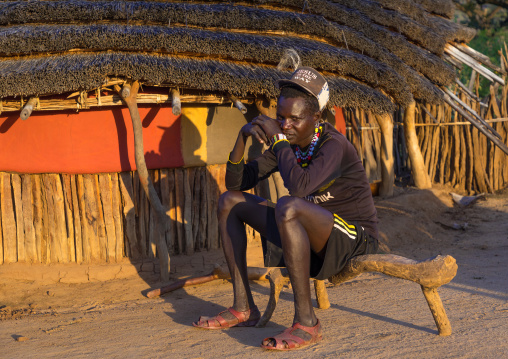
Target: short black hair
(296, 92)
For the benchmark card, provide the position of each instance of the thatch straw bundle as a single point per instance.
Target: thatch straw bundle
(373, 52)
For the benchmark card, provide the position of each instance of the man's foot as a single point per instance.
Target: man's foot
(230, 318)
(295, 337)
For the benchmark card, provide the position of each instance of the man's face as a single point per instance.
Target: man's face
(296, 121)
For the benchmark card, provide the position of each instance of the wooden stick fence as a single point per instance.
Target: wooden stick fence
(457, 154)
(102, 218)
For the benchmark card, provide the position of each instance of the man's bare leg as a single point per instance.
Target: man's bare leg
(302, 226)
(235, 209)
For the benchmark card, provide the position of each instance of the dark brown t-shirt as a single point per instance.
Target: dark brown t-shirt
(335, 178)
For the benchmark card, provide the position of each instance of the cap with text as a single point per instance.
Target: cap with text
(310, 81)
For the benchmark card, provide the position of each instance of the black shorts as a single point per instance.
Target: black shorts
(345, 242)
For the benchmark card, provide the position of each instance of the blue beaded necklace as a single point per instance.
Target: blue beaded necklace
(304, 158)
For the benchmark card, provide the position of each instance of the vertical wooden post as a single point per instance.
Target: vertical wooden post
(213, 192)
(106, 193)
(203, 220)
(61, 225)
(129, 215)
(67, 199)
(117, 208)
(18, 209)
(85, 231)
(38, 214)
(8, 220)
(187, 211)
(167, 183)
(28, 219)
(101, 225)
(179, 207)
(78, 238)
(387, 169)
(128, 94)
(196, 206)
(92, 245)
(420, 176)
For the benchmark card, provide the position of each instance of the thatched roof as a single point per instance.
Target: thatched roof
(374, 53)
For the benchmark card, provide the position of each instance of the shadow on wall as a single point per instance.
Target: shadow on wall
(189, 193)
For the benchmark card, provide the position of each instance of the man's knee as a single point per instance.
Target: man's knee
(287, 209)
(228, 200)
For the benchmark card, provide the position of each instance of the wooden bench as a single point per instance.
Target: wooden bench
(430, 274)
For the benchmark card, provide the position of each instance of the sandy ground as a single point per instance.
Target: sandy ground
(372, 316)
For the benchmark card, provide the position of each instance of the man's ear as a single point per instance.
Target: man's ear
(317, 116)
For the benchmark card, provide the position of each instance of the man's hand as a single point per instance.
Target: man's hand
(269, 125)
(255, 131)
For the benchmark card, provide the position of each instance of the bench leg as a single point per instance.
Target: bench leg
(277, 281)
(321, 294)
(437, 310)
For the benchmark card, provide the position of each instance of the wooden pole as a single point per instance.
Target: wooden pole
(106, 192)
(91, 245)
(101, 224)
(203, 220)
(28, 219)
(8, 219)
(187, 212)
(176, 104)
(115, 198)
(38, 214)
(67, 199)
(129, 214)
(62, 238)
(166, 184)
(145, 180)
(179, 208)
(18, 209)
(387, 169)
(27, 110)
(420, 176)
(78, 239)
(238, 104)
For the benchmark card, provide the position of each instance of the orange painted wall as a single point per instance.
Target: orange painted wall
(88, 141)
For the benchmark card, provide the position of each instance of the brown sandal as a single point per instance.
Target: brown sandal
(287, 341)
(249, 318)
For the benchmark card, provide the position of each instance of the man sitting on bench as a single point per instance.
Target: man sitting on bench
(328, 218)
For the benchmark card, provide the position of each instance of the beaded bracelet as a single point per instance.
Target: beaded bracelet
(278, 137)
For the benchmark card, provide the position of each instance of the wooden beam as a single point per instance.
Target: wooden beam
(387, 161)
(238, 104)
(420, 175)
(27, 110)
(473, 63)
(477, 124)
(479, 57)
(144, 178)
(473, 112)
(176, 103)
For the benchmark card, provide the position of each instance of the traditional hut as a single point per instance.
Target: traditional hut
(73, 72)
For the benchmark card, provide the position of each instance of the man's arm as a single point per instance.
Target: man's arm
(240, 176)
